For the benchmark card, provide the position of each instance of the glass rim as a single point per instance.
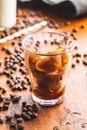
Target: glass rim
(43, 54)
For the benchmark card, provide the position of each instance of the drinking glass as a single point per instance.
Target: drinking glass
(48, 59)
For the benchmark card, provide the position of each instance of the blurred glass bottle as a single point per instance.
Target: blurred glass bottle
(7, 13)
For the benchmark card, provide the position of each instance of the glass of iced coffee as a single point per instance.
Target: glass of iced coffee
(48, 58)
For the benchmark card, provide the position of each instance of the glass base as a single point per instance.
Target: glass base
(47, 102)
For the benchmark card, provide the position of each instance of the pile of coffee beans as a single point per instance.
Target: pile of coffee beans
(27, 112)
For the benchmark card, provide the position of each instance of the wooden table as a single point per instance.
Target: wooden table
(72, 113)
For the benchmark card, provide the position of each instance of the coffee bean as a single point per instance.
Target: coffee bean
(16, 99)
(3, 48)
(1, 107)
(7, 102)
(1, 98)
(23, 114)
(76, 48)
(77, 55)
(12, 96)
(14, 88)
(21, 64)
(82, 26)
(26, 117)
(85, 55)
(84, 62)
(24, 87)
(5, 107)
(20, 127)
(35, 107)
(19, 43)
(0, 88)
(30, 109)
(23, 71)
(13, 43)
(13, 125)
(12, 72)
(8, 52)
(19, 120)
(75, 30)
(24, 104)
(7, 73)
(28, 106)
(3, 91)
(8, 117)
(33, 115)
(30, 89)
(19, 88)
(24, 109)
(73, 65)
(27, 80)
(55, 128)
(1, 121)
(77, 61)
(14, 68)
(17, 115)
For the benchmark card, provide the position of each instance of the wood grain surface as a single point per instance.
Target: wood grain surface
(72, 113)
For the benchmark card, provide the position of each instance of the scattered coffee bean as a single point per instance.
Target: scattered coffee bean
(3, 48)
(55, 128)
(35, 107)
(33, 115)
(3, 91)
(24, 104)
(85, 55)
(84, 125)
(1, 121)
(16, 99)
(76, 48)
(23, 114)
(37, 43)
(5, 107)
(73, 65)
(84, 62)
(45, 41)
(67, 123)
(12, 96)
(13, 125)
(8, 118)
(26, 117)
(1, 107)
(8, 51)
(75, 30)
(13, 43)
(30, 89)
(0, 88)
(19, 120)
(77, 61)
(24, 109)
(77, 55)
(6, 102)
(20, 127)
(17, 115)
(1, 98)
(82, 26)
(23, 71)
